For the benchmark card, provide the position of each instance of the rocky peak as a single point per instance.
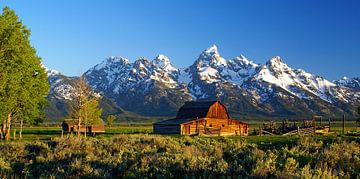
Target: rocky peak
(242, 61)
(141, 63)
(210, 57)
(163, 62)
(276, 64)
(112, 62)
(353, 83)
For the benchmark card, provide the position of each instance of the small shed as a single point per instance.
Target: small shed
(71, 125)
(202, 118)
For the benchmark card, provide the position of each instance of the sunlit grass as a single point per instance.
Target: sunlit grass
(50, 132)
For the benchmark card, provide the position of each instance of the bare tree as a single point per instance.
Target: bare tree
(84, 104)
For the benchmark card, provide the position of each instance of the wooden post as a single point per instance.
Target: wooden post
(343, 124)
(298, 128)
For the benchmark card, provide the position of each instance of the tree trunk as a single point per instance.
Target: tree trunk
(85, 123)
(14, 134)
(7, 128)
(3, 129)
(21, 128)
(79, 125)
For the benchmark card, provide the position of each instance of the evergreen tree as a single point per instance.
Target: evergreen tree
(23, 81)
(85, 105)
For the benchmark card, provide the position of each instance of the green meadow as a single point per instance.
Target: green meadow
(50, 132)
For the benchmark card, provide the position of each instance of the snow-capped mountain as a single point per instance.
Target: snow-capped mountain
(145, 87)
(60, 85)
(157, 88)
(59, 98)
(353, 83)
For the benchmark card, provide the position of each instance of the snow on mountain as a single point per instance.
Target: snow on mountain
(239, 69)
(278, 73)
(60, 85)
(212, 68)
(353, 83)
(211, 56)
(163, 62)
(118, 75)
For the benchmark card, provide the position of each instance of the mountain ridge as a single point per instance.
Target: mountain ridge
(157, 88)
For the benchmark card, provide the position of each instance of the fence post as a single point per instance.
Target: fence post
(298, 129)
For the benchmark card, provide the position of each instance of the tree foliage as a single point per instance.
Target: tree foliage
(23, 81)
(110, 119)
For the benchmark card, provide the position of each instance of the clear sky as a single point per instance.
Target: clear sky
(322, 37)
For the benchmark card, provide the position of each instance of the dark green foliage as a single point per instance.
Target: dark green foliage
(158, 156)
(23, 81)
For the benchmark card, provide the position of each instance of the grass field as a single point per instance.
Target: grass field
(50, 132)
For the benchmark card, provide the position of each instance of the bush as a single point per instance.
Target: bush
(163, 156)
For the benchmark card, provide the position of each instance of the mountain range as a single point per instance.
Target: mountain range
(249, 90)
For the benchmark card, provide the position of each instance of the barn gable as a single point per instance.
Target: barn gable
(203, 109)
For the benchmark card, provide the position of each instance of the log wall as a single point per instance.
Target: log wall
(210, 126)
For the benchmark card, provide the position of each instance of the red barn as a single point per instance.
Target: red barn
(202, 118)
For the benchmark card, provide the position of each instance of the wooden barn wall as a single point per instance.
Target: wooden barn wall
(216, 123)
(98, 128)
(90, 128)
(217, 111)
(191, 128)
(166, 128)
(221, 127)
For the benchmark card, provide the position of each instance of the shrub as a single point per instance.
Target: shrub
(163, 156)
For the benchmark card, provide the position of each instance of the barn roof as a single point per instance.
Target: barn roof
(173, 121)
(194, 109)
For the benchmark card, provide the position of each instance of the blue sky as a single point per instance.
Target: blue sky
(322, 37)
